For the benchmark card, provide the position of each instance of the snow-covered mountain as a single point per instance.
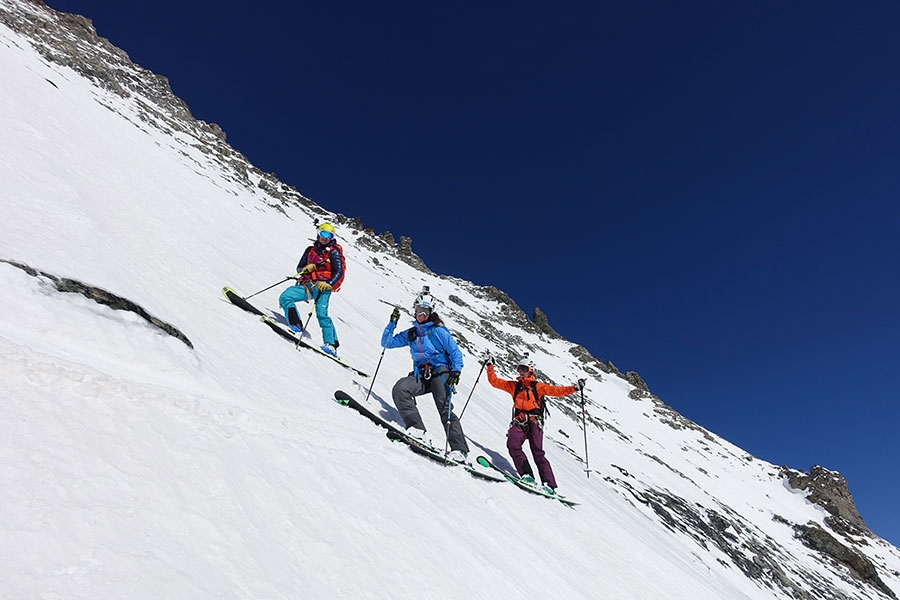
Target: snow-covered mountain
(158, 442)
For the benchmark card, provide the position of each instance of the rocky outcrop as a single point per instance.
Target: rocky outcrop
(543, 323)
(818, 539)
(104, 297)
(386, 243)
(829, 490)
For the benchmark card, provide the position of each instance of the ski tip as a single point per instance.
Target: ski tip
(483, 461)
(342, 397)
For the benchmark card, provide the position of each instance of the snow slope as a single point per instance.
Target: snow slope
(135, 466)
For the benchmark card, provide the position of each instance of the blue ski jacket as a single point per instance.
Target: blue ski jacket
(431, 344)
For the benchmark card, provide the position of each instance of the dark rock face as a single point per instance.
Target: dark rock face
(634, 379)
(406, 254)
(818, 539)
(829, 490)
(543, 323)
(758, 556)
(101, 296)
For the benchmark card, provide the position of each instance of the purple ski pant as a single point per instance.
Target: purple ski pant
(515, 439)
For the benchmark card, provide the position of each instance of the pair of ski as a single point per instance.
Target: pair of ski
(284, 331)
(395, 433)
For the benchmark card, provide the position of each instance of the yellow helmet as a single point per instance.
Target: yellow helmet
(328, 227)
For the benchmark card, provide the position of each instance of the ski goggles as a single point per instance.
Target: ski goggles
(326, 234)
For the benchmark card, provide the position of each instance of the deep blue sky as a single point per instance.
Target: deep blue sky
(703, 192)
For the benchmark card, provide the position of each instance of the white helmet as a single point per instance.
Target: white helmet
(422, 305)
(424, 301)
(526, 363)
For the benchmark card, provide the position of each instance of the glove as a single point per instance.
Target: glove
(579, 385)
(395, 315)
(453, 378)
(309, 268)
(324, 286)
(488, 360)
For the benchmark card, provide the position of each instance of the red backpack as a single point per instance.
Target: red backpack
(324, 274)
(337, 284)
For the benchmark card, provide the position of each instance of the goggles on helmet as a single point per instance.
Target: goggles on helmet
(325, 234)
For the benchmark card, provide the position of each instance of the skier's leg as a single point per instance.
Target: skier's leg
(325, 323)
(515, 438)
(404, 395)
(288, 301)
(536, 442)
(455, 437)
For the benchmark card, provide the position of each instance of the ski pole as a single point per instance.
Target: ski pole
(312, 310)
(449, 412)
(462, 412)
(268, 288)
(375, 374)
(587, 467)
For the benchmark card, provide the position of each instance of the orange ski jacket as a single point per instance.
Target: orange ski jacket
(525, 400)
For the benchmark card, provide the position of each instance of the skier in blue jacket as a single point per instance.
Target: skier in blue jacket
(437, 362)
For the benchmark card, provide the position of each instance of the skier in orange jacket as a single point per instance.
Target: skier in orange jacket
(528, 418)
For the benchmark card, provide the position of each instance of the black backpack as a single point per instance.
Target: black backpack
(541, 411)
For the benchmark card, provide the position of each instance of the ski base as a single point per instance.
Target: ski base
(239, 301)
(395, 433)
(515, 479)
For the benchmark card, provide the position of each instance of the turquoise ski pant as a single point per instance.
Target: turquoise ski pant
(299, 293)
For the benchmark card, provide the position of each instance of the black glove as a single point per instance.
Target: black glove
(579, 385)
(453, 378)
(395, 316)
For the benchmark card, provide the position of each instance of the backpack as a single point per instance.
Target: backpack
(337, 284)
(326, 259)
(534, 405)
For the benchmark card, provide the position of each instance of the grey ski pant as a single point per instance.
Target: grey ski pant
(404, 395)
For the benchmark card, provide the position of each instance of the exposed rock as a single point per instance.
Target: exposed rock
(829, 490)
(104, 297)
(820, 540)
(457, 300)
(512, 314)
(634, 379)
(406, 254)
(542, 323)
(753, 556)
(592, 365)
